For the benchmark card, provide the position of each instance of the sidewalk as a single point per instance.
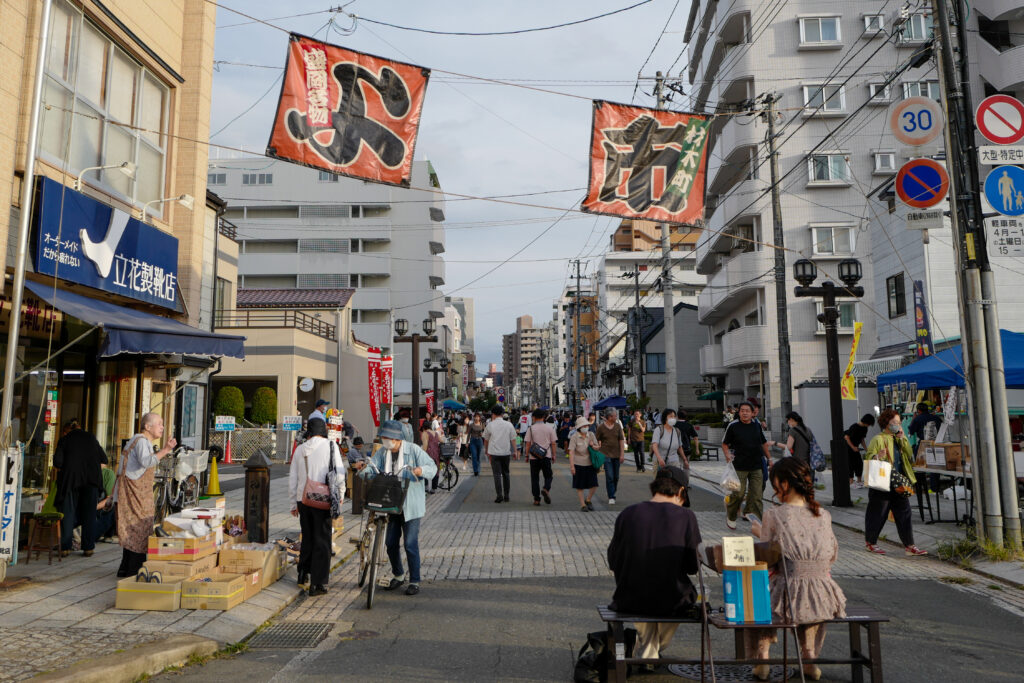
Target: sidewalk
(926, 536)
(65, 612)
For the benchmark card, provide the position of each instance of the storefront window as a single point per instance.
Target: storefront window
(115, 406)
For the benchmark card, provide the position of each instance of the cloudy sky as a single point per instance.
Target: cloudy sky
(483, 139)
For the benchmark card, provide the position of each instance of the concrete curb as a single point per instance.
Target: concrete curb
(148, 659)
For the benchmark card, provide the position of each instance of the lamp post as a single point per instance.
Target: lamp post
(805, 272)
(402, 337)
(442, 366)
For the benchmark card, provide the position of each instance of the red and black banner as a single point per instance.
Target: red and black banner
(347, 112)
(647, 163)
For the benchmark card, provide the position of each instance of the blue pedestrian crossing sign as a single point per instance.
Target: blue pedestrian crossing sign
(1004, 189)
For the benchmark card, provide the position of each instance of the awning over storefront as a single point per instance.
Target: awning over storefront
(946, 368)
(711, 396)
(131, 331)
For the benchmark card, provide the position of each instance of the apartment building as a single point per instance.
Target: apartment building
(578, 331)
(828, 62)
(464, 306)
(299, 228)
(521, 360)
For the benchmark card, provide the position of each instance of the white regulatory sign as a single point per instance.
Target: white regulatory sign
(291, 423)
(224, 423)
(997, 155)
(916, 121)
(1005, 236)
(924, 219)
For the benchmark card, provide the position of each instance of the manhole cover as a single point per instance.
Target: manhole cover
(291, 636)
(357, 635)
(727, 673)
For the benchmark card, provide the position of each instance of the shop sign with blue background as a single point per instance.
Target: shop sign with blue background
(83, 240)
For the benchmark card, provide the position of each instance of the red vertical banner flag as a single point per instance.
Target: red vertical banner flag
(647, 163)
(387, 380)
(347, 112)
(429, 393)
(373, 377)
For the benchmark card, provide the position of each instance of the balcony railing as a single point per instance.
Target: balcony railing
(249, 318)
(227, 228)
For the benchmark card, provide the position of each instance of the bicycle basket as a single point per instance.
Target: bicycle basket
(192, 462)
(386, 493)
(449, 450)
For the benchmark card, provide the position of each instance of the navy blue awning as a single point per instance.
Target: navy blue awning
(131, 331)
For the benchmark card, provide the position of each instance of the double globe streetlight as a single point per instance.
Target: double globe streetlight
(402, 337)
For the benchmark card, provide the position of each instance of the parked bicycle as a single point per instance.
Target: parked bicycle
(385, 496)
(176, 484)
(448, 473)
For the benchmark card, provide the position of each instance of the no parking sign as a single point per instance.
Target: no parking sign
(922, 183)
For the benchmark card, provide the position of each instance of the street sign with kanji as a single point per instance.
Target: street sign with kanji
(916, 121)
(996, 155)
(224, 423)
(291, 423)
(922, 183)
(1000, 119)
(1005, 237)
(1004, 190)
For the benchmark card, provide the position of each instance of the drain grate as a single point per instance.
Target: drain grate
(726, 673)
(291, 636)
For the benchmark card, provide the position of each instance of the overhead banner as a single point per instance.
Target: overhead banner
(373, 383)
(647, 163)
(849, 382)
(387, 380)
(922, 327)
(347, 112)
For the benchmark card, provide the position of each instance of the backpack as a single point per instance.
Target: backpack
(592, 659)
(815, 455)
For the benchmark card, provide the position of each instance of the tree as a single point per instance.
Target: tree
(636, 403)
(264, 406)
(230, 401)
(483, 402)
(558, 401)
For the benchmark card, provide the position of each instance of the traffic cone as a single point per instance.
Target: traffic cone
(227, 453)
(213, 485)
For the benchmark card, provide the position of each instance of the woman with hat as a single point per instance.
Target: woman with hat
(584, 474)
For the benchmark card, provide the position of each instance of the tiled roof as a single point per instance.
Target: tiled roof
(294, 298)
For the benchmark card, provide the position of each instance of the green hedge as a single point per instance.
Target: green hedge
(264, 406)
(230, 401)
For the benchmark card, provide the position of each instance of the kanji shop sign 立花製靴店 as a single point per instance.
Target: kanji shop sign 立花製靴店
(82, 240)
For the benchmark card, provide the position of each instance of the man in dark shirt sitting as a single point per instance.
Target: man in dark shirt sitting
(744, 446)
(653, 550)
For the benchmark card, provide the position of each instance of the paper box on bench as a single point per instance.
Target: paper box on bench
(160, 597)
(222, 591)
(957, 456)
(181, 569)
(747, 597)
(190, 549)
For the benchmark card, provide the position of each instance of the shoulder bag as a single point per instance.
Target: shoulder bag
(878, 473)
(536, 450)
(335, 483)
(316, 494)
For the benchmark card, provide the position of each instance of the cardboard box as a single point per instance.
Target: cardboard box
(747, 597)
(218, 502)
(189, 549)
(922, 448)
(222, 592)
(267, 562)
(253, 584)
(935, 456)
(957, 457)
(160, 597)
(181, 569)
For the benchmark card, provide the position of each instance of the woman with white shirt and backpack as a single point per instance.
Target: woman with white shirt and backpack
(667, 444)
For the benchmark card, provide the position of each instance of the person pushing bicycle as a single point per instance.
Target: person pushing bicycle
(393, 457)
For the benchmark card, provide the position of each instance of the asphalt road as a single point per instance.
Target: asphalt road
(530, 629)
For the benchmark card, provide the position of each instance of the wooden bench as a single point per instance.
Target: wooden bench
(618, 662)
(711, 450)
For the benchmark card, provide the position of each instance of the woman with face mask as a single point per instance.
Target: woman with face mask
(891, 445)
(666, 443)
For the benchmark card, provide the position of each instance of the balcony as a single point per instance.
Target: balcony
(738, 277)
(746, 345)
(372, 299)
(1003, 70)
(746, 199)
(711, 360)
(246, 318)
(997, 10)
(733, 136)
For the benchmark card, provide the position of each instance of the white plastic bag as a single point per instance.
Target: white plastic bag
(730, 482)
(878, 474)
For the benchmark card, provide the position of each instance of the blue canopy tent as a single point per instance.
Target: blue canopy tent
(452, 404)
(611, 402)
(946, 368)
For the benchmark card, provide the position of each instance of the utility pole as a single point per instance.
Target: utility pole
(781, 310)
(671, 389)
(994, 475)
(576, 347)
(641, 390)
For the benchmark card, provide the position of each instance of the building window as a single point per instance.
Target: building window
(222, 295)
(655, 362)
(833, 240)
(216, 178)
(878, 93)
(828, 168)
(897, 293)
(922, 89)
(257, 178)
(847, 315)
(874, 23)
(819, 31)
(327, 177)
(885, 162)
(829, 99)
(918, 28)
(121, 109)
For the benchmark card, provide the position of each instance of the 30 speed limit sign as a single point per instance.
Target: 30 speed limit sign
(916, 121)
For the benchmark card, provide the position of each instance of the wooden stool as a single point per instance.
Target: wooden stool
(41, 524)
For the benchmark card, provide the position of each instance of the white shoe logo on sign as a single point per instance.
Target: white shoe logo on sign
(102, 253)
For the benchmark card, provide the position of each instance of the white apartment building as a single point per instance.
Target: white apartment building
(299, 228)
(464, 306)
(824, 59)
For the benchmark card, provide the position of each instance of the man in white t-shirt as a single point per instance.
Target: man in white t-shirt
(500, 444)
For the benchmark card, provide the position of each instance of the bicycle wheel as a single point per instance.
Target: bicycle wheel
(378, 541)
(450, 477)
(365, 548)
(159, 501)
(189, 490)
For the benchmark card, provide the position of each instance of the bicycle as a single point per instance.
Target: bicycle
(448, 473)
(371, 538)
(176, 481)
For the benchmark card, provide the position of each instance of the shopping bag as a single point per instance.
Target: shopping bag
(730, 482)
(878, 474)
(596, 457)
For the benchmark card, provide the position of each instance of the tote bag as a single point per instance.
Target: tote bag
(879, 473)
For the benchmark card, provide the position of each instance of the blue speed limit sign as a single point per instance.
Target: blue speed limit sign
(916, 121)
